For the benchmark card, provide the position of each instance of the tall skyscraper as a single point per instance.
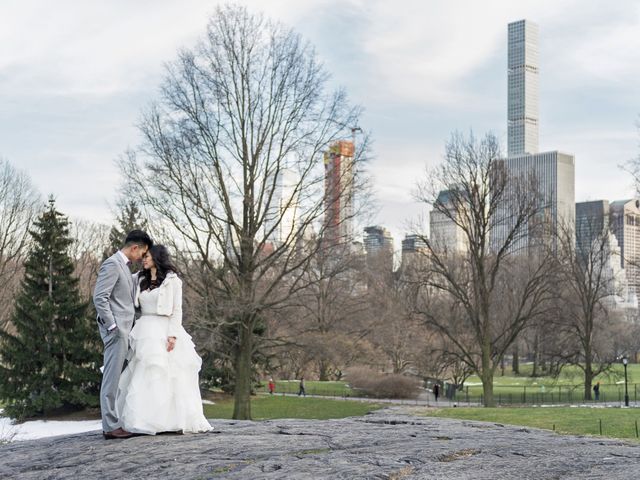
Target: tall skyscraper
(414, 250)
(625, 225)
(624, 301)
(338, 181)
(553, 175)
(553, 172)
(522, 128)
(592, 220)
(378, 244)
(281, 208)
(444, 232)
(413, 243)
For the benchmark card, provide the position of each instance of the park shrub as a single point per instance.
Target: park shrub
(371, 383)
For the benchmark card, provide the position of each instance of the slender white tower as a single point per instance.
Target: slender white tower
(522, 127)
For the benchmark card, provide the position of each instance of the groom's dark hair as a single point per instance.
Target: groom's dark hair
(138, 237)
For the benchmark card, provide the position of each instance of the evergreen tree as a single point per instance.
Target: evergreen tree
(130, 218)
(50, 357)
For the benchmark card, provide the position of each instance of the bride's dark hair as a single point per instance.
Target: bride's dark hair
(164, 264)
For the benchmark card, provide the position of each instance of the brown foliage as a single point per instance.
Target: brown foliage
(382, 385)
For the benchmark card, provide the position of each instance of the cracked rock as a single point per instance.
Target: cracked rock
(385, 444)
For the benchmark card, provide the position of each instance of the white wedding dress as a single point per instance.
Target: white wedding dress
(158, 390)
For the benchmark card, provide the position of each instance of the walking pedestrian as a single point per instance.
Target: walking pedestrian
(272, 386)
(302, 391)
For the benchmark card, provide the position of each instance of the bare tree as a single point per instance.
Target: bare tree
(588, 287)
(90, 240)
(239, 113)
(328, 318)
(495, 212)
(19, 204)
(439, 359)
(396, 331)
(543, 342)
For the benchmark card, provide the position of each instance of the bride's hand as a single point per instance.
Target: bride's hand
(171, 343)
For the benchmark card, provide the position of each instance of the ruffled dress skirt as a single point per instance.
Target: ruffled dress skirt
(159, 390)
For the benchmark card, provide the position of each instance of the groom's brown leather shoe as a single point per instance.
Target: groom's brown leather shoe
(117, 433)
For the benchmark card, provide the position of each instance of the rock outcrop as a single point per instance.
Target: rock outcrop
(384, 445)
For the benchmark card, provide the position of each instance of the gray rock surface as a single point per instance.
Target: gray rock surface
(387, 444)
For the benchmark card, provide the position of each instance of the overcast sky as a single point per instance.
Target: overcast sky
(74, 76)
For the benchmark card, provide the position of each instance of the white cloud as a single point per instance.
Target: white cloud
(74, 75)
(94, 48)
(100, 48)
(606, 57)
(423, 51)
(599, 154)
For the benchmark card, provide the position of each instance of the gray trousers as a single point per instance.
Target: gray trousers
(116, 344)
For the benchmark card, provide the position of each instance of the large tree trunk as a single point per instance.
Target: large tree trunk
(398, 364)
(242, 391)
(486, 376)
(323, 370)
(487, 389)
(588, 372)
(515, 362)
(536, 355)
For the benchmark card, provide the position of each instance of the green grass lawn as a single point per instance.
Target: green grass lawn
(570, 375)
(616, 422)
(272, 407)
(332, 389)
(567, 387)
(508, 389)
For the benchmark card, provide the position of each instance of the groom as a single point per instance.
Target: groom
(113, 298)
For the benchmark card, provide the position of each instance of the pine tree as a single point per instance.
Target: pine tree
(50, 358)
(130, 218)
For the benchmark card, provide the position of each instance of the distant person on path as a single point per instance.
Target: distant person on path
(113, 299)
(596, 391)
(301, 391)
(272, 386)
(436, 391)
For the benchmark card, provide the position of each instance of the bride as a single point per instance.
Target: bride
(158, 390)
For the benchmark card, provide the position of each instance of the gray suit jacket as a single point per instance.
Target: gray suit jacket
(113, 295)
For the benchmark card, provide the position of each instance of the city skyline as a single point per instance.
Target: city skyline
(72, 93)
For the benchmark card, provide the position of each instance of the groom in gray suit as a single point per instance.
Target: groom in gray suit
(113, 299)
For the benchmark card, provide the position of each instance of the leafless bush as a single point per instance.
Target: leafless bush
(7, 432)
(90, 241)
(382, 385)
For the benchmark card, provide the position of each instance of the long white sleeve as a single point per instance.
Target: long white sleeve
(175, 319)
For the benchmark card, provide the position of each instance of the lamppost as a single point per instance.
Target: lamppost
(626, 392)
